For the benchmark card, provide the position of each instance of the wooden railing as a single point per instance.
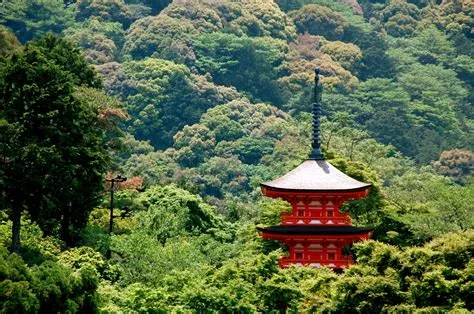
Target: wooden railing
(286, 262)
(305, 220)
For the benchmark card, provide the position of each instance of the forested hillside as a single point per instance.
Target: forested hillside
(196, 103)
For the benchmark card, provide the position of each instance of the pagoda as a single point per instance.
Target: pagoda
(315, 231)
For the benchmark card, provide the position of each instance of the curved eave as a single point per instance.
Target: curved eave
(334, 191)
(288, 193)
(314, 176)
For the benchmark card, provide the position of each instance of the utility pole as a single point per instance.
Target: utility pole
(118, 178)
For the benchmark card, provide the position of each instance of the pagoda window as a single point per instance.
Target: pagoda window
(300, 212)
(299, 251)
(300, 207)
(331, 256)
(330, 213)
(315, 205)
(315, 247)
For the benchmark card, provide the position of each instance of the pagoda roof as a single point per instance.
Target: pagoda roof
(315, 230)
(314, 176)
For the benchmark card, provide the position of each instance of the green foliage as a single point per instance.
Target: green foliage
(51, 140)
(398, 82)
(388, 102)
(436, 95)
(225, 158)
(46, 287)
(36, 248)
(8, 42)
(155, 5)
(204, 17)
(162, 96)
(176, 232)
(430, 205)
(136, 298)
(102, 41)
(30, 19)
(15, 293)
(420, 275)
(319, 20)
(363, 293)
(246, 63)
(399, 18)
(263, 19)
(160, 36)
(171, 212)
(105, 10)
(345, 54)
(153, 167)
(254, 19)
(67, 56)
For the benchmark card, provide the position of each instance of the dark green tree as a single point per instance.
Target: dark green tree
(105, 10)
(52, 144)
(29, 19)
(162, 97)
(249, 64)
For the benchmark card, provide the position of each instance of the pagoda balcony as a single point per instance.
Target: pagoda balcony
(335, 264)
(305, 220)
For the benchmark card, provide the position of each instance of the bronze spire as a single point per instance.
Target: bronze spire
(316, 153)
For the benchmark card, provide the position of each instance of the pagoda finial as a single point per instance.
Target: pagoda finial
(316, 153)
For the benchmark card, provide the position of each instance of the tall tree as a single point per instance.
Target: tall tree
(51, 143)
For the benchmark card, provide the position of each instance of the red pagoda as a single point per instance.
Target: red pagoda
(316, 232)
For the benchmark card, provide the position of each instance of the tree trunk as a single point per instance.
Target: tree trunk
(65, 225)
(16, 225)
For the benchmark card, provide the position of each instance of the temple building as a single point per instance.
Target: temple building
(316, 232)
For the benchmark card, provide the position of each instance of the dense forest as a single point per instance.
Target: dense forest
(196, 102)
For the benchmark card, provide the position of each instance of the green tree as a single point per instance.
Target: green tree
(47, 287)
(263, 18)
(162, 96)
(388, 102)
(399, 18)
(105, 10)
(458, 22)
(429, 205)
(155, 5)
(52, 144)
(437, 97)
(194, 144)
(247, 63)
(8, 42)
(161, 36)
(102, 41)
(345, 54)
(254, 19)
(319, 20)
(30, 19)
